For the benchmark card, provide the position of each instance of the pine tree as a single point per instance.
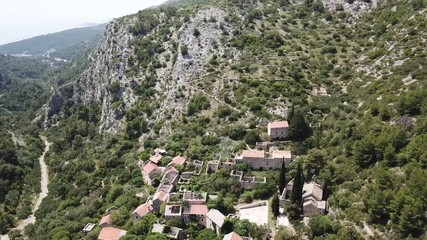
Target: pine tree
(275, 205)
(296, 196)
(282, 178)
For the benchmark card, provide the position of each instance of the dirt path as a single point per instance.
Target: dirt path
(44, 190)
(17, 141)
(213, 97)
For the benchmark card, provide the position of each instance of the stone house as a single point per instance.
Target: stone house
(178, 160)
(259, 159)
(156, 158)
(194, 198)
(171, 176)
(150, 171)
(312, 198)
(234, 236)
(105, 221)
(111, 233)
(141, 211)
(278, 130)
(159, 198)
(195, 213)
(170, 232)
(173, 212)
(214, 220)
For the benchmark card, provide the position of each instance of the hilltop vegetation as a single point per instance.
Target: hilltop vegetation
(25, 86)
(62, 44)
(366, 140)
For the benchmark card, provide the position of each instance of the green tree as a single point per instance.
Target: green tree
(207, 234)
(157, 236)
(259, 232)
(282, 178)
(364, 152)
(197, 103)
(284, 234)
(242, 227)
(275, 205)
(321, 226)
(252, 137)
(349, 233)
(236, 132)
(314, 162)
(228, 226)
(298, 126)
(296, 195)
(144, 225)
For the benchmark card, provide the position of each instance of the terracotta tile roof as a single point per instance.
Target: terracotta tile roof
(149, 167)
(106, 220)
(143, 209)
(111, 233)
(282, 154)
(198, 209)
(278, 124)
(155, 158)
(253, 154)
(179, 160)
(161, 195)
(232, 236)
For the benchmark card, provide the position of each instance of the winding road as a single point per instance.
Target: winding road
(44, 190)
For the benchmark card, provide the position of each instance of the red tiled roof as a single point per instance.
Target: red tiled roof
(199, 209)
(282, 154)
(149, 167)
(232, 236)
(179, 160)
(106, 220)
(111, 233)
(155, 158)
(278, 124)
(253, 154)
(143, 209)
(161, 195)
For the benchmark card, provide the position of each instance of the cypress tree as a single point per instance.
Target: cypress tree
(296, 196)
(282, 178)
(275, 205)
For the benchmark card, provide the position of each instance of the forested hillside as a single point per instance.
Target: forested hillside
(25, 86)
(61, 44)
(197, 79)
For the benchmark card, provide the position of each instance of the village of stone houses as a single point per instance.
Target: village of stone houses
(173, 199)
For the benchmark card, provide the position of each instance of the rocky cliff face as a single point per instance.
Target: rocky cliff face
(182, 77)
(354, 7)
(206, 36)
(106, 83)
(108, 66)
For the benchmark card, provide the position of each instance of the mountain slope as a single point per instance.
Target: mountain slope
(61, 41)
(198, 79)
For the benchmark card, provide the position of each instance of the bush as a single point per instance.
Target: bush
(223, 111)
(236, 132)
(198, 103)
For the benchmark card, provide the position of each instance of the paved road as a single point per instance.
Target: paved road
(44, 190)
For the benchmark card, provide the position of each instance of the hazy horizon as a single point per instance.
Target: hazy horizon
(23, 19)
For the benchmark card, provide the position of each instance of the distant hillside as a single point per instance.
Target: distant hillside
(59, 41)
